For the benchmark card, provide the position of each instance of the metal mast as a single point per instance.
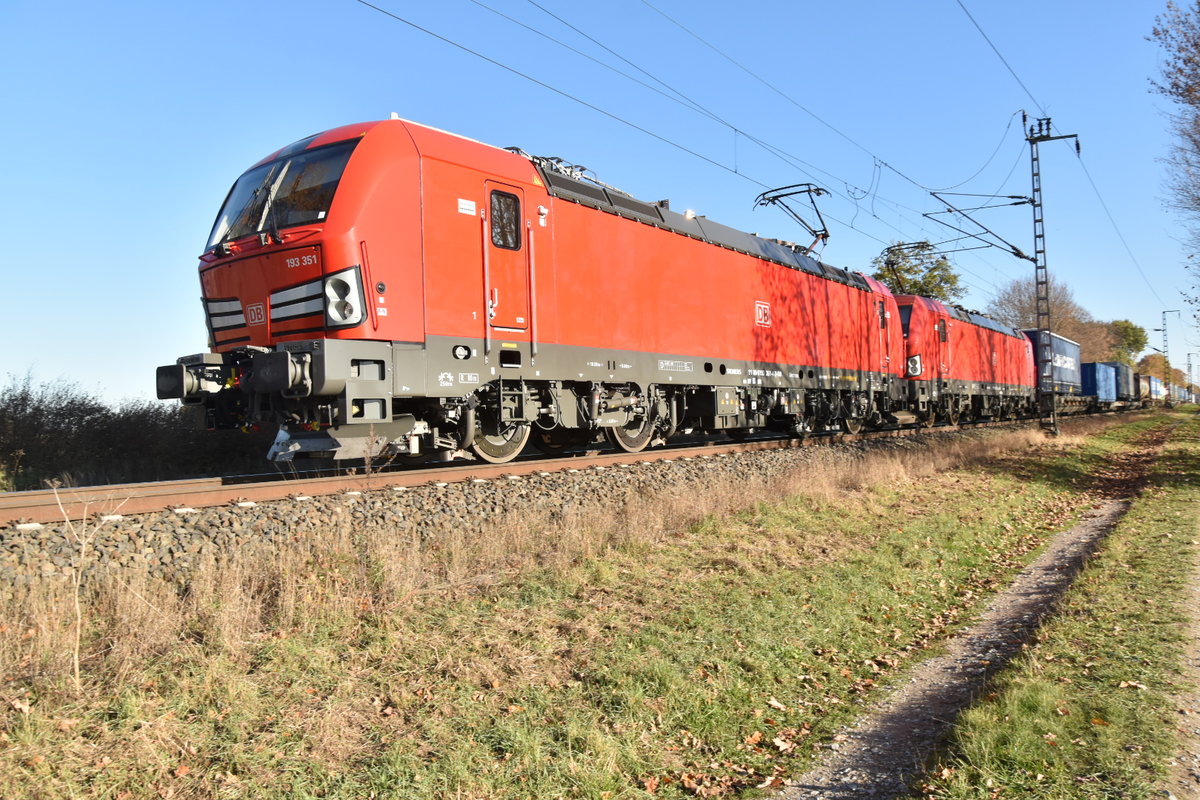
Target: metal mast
(1045, 351)
(1166, 354)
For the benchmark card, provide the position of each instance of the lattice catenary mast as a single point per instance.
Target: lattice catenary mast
(1045, 349)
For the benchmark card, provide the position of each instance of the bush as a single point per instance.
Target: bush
(57, 431)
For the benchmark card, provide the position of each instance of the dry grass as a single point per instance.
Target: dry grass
(129, 618)
(161, 667)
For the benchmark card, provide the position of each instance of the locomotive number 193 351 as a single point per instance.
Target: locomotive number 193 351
(300, 261)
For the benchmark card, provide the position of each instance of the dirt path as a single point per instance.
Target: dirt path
(881, 755)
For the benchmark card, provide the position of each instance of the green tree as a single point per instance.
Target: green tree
(1154, 364)
(1128, 340)
(917, 268)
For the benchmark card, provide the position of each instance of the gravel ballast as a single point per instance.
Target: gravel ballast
(170, 545)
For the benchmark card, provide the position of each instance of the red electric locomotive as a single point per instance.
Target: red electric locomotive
(962, 365)
(390, 288)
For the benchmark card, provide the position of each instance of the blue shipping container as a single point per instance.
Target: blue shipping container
(1125, 390)
(1063, 377)
(1100, 381)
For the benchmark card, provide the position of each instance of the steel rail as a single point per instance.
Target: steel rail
(80, 503)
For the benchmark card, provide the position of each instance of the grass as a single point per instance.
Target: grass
(1087, 711)
(694, 644)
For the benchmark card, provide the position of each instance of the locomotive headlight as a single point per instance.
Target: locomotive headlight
(914, 366)
(343, 298)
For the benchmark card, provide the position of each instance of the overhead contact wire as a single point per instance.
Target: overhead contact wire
(1117, 230)
(792, 160)
(1003, 60)
(1095, 189)
(629, 123)
(559, 92)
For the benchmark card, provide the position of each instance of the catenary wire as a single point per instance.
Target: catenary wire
(679, 97)
(1117, 230)
(609, 114)
(672, 97)
(792, 160)
(779, 92)
(1095, 189)
(560, 92)
(878, 161)
(1003, 60)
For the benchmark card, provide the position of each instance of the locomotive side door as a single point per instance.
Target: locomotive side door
(505, 258)
(945, 355)
(884, 338)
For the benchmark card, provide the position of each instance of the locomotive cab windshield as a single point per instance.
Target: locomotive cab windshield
(294, 189)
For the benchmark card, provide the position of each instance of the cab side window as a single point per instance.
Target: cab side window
(506, 220)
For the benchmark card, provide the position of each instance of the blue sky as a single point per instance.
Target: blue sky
(128, 122)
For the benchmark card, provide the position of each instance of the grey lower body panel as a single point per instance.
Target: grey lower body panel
(356, 398)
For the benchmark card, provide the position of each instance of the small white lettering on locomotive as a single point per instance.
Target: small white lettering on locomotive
(300, 261)
(445, 379)
(468, 377)
(675, 366)
(762, 313)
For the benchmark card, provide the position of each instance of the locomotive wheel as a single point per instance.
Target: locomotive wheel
(501, 445)
(633, 437)
(953, 414)
(852, 424)
(928, 420)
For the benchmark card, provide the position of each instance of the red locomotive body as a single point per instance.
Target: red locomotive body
(962, 365)
(387, 287)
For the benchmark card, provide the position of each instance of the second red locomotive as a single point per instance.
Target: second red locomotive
(389, 288)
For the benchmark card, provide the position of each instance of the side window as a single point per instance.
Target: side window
(941, 330)
(506, 221)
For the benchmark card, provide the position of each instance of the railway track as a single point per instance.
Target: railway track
(78, 503)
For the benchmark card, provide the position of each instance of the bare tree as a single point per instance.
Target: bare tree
(1016, 305)
(1177, 31)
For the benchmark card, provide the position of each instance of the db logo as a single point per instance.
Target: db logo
(762, 314)
(256, 314)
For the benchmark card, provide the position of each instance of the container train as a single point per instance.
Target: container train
(386, 288)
